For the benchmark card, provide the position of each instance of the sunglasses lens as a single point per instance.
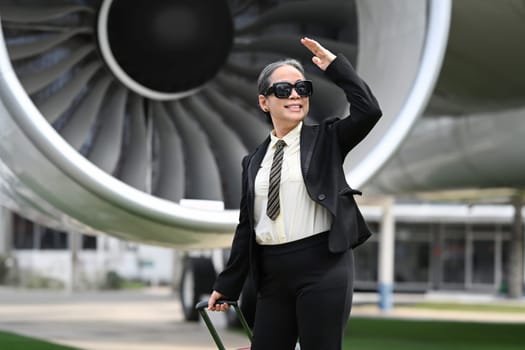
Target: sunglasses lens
(303, 88)
(283, 90)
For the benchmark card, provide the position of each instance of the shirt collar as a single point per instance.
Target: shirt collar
(290, 138)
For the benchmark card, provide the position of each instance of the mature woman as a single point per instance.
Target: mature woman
(298, 219)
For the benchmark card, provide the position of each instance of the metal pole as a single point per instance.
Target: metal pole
(176, 273)
(515, 279)
(74, 243)
(6, 247)
(6, 232)
(386, 255)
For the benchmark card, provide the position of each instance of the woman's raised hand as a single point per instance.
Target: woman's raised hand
(322, 57)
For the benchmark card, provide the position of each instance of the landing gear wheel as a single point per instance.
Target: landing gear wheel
(198, 275)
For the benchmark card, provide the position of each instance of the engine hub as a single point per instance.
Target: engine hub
(165, 49)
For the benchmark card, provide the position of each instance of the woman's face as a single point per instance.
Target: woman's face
(285, 112)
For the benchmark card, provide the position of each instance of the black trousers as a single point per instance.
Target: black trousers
(305, 292)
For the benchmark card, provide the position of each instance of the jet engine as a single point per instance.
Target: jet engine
(131, 118)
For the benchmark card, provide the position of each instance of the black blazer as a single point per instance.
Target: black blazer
(323, 150)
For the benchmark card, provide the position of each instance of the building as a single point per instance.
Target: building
(437, 248)
(41, 257)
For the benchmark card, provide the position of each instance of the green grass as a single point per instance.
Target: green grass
(380, 334)
(375, 334)
(11, 341)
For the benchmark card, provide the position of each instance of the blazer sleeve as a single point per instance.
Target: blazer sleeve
(364, 108)
(231, 280)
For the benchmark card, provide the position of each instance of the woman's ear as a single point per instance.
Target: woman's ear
(263, 103)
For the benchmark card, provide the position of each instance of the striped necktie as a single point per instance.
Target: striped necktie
(272, 208)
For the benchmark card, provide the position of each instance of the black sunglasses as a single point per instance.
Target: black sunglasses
(303, 88)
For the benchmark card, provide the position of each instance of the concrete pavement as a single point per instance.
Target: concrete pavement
(138, 320)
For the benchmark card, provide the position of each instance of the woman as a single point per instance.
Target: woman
(298, 219)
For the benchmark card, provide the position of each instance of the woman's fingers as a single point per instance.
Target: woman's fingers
(222, 307)
(313, 46)
(212, 302)
(322, 57)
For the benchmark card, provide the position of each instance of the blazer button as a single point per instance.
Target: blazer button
(321, 197)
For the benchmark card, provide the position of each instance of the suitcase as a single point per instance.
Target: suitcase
(201, 308)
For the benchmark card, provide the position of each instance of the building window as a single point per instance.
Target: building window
(412, 253)
(365, 260)
(483, 262)
(452, 255)
(53, 239)
(23, 233)
(89, 242)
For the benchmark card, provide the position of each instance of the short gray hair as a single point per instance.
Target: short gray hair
(263, 82)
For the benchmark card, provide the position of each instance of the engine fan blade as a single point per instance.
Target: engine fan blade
(289, 45)
(107, 143)
(45, 13)
(37, 81)
(325, 13)
(53, 106)
(227, 147)
(40, 46)
(170, 177)
(135, 169)
(201, 164)
(77, 129)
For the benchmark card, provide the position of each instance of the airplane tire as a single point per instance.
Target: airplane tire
(198, 275)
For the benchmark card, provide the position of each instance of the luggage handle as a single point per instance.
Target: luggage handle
(201, 308)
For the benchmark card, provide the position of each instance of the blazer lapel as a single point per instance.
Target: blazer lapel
(308, 136)
(253, 167)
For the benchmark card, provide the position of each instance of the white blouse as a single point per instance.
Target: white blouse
(299, 216)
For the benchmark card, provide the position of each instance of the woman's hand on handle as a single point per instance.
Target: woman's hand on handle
(322, 57)
(212, 302)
